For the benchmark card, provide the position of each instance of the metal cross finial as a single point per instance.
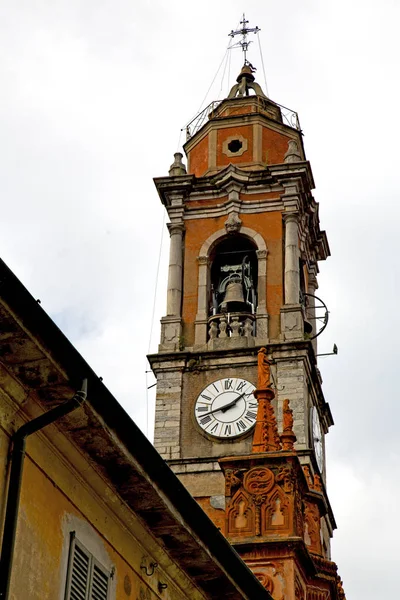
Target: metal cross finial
(244, 31)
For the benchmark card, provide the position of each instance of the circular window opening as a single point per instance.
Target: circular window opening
(235, 146)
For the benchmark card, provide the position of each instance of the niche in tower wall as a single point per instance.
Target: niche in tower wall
(233, 288)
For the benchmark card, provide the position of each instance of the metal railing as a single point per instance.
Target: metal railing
(289, 116)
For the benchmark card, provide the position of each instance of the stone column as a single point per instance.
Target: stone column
(171, 325)
(202, 308)
(292, 323)
(262, 315)
(174, 293)
(292, 275)
(312, 288)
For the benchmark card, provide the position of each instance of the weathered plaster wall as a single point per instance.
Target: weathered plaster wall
(61, 493)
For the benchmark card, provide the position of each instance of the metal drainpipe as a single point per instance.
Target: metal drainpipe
(14, 487)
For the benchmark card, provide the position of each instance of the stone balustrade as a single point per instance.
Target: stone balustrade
(233, 329)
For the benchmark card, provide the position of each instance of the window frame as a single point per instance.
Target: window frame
(92, 564)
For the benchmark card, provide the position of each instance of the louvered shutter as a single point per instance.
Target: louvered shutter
(86, 579)
(79, 572)
(99, 590)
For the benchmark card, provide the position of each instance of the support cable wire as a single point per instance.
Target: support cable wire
(152, 318)
(224, 71)
(227, 66)
(229, 69)
(212, 83)
(262, 63)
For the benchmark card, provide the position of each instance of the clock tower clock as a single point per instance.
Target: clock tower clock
(245, 243)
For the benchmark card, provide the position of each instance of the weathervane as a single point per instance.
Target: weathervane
(244, 43)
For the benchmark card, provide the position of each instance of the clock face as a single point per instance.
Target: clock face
(317, 438)
(227, 408)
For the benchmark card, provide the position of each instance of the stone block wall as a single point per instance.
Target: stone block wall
(168, 414)
(292, 384)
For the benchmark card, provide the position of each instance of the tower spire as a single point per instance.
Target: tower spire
(244, 31)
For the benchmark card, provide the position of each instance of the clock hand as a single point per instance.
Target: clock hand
(226, 406)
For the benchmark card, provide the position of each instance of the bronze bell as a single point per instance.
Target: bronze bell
(234, 299)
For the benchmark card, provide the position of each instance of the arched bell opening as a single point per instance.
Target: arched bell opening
(233, 276)
(232, 291)
(232, 329)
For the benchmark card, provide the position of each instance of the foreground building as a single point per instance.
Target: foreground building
(94, 510)
(245, 247)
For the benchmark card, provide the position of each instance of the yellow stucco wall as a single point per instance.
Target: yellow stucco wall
(61, 493)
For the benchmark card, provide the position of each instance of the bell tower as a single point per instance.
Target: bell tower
(245, 243)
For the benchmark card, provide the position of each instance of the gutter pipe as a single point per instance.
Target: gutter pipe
(14, 488)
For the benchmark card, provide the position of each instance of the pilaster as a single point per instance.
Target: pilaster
(171, 324)
(201, 322)
(292, 320)
(262, 314)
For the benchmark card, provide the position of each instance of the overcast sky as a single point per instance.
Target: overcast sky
(94, 93)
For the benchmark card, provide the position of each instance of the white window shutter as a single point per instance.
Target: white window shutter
(86, 579)
(100, 579)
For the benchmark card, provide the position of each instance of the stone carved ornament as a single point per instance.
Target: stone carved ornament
(293, 152)
(298, 589)
(266, 581)
(313, 523)
(264, 370)
(258, 503)
(233, 480)
(259, 481)
(286, 478)
(233, 223)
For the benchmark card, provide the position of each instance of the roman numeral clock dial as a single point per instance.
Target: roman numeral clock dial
(226, 408)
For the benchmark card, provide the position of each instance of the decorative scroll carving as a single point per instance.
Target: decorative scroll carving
(266, 581)
(259, 480)
(233, 223)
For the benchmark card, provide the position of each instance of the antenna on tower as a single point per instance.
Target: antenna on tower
(244, 43)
